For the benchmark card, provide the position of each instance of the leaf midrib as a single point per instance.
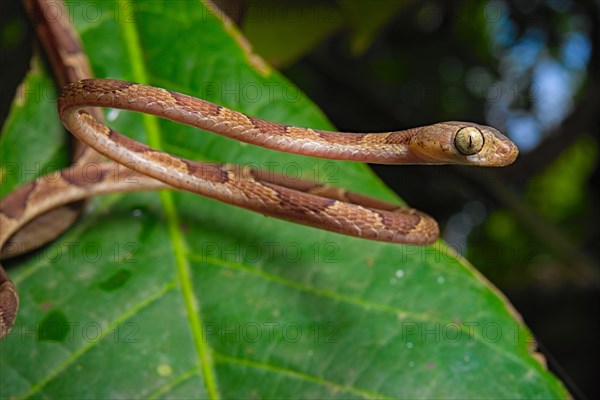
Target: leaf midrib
(152, 128)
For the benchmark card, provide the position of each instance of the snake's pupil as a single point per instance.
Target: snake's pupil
(469, 140)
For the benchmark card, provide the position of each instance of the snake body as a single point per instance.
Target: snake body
(303, 202)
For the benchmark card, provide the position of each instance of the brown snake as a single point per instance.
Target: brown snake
(307, 203)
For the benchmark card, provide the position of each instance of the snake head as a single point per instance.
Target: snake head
(464, 143)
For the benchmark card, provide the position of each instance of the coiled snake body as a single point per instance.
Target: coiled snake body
(302, 202)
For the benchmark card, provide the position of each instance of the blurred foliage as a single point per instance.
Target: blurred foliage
(366, 20)
(268, 26)
(12, 33)
(560, 196)
(568, 176)
(284, 31)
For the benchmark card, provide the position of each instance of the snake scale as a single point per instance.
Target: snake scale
(308, 203)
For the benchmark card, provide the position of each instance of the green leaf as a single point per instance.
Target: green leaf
(25, 153)
(173, 295)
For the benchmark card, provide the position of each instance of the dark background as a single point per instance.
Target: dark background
(528, 68)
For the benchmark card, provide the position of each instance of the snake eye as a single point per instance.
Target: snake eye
(469, 140)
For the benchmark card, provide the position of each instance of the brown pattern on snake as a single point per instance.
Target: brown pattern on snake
(9, 304)
(415, 145)
(70, 64)
(12, 206)
(433, 144)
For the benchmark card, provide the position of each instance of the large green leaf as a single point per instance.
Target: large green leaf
(173, 295)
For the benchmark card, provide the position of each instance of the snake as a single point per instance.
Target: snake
(135, 166)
